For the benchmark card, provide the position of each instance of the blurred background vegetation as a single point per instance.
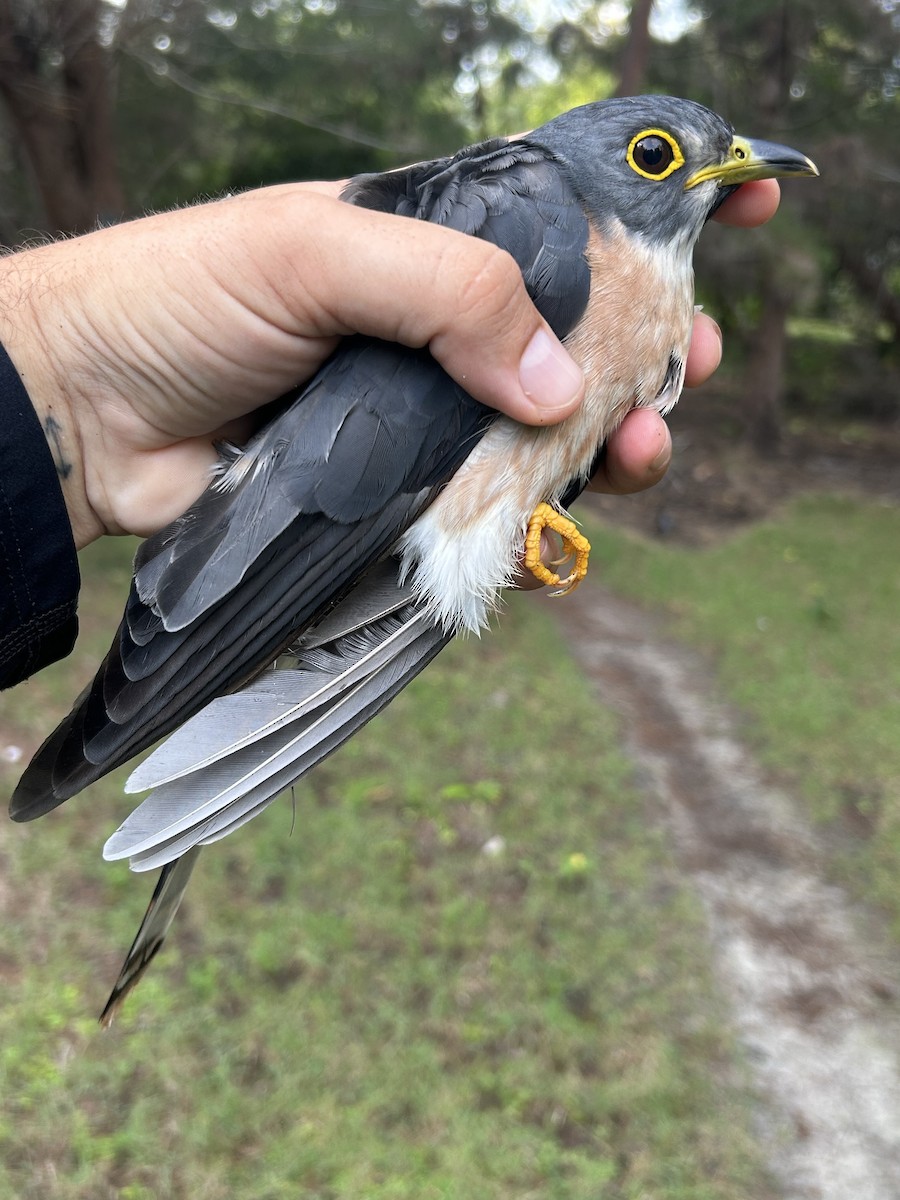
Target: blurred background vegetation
(111, 107)
(476, 971)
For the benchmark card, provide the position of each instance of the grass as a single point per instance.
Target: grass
(800, 616)
(463, 968)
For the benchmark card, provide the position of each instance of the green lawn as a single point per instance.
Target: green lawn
(359, 1001)
(800, 616)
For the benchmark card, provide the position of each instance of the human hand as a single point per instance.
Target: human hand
(144, 343)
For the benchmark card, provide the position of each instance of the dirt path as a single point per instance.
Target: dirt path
(814, 998)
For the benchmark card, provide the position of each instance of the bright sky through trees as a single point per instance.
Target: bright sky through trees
(670, 18)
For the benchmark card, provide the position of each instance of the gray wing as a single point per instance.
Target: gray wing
(241, 751)
(220, 593)
(321, 494)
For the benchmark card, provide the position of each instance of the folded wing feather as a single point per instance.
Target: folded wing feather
(237, 755)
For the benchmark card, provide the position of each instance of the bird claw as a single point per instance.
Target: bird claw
(574, 544)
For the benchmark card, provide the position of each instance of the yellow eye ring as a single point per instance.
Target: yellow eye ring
(654, 153)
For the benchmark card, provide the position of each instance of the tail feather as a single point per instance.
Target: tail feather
(160, 913)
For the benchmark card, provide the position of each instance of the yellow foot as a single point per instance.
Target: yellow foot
(575, 545)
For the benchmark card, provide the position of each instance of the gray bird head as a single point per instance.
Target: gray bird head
(658, 164)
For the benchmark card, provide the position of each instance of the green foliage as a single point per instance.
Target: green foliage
(801, 615)
(212, 96)
(266, 92)
(823, 76)
(515, 109)
(459, 964)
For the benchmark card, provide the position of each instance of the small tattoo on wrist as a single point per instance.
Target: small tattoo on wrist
(53, 430)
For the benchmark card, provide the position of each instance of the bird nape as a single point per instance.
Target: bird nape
(382, 509)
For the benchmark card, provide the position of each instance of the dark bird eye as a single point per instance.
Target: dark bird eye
(654, 154)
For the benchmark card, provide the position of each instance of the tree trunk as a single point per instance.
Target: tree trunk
(765, 382)
(637, 49)
(54, 80)
(763, 394)
(872, 283)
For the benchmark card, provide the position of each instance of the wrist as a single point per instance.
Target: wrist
(27, 303)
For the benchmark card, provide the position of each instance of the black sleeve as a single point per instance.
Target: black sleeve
(39, 577)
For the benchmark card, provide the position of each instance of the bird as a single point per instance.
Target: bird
(382, 510)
